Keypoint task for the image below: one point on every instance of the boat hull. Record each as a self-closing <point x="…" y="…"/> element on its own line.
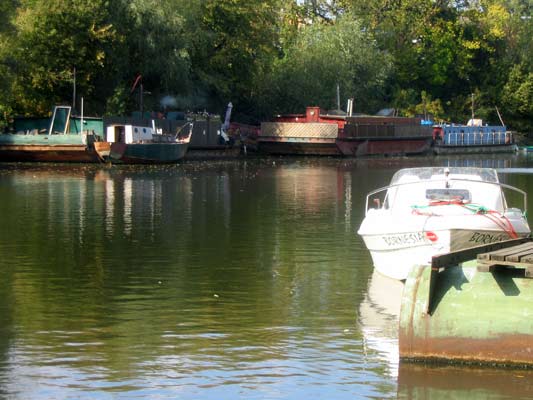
<point x="395" y="254"/>
<point x="383" y="146"/>
<point x="102" y="150"/>
<point x="397" y="242"/>
<point x="345" y="146"/>
<point x="47" y="148"/>
<point x="299" y="146"/>
<point x="299" y="138"/>
<point x="146" y="153"/>
<point x="212" y="153"/>
<point x="472" y="149"/>
<point x="434" y="210"/>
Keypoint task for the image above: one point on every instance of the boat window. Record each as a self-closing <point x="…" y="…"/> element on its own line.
<point x="60" y="120"/>
<point x="448" y="195"/>
<point x="427" y="173"/>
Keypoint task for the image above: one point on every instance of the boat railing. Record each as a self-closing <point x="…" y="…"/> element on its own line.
<point x="187" y="138"/>
<point x="461" y="136"/>
<point x="396" y="185"/>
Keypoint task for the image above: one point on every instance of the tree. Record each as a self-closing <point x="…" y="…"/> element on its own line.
<point x="427" y="107"/>
<point x="52" y="38"/>
<point x="517" y="99"/>
<point x="268" y="57"/>
<point x="323" y="56"/>
<point x="107" y="45"/>
<point x="233" y="42"/>
<point x="7" y="35"/>
<point x="155" y="46"/>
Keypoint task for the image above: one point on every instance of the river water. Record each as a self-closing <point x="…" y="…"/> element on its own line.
<point x="219" y="280"/>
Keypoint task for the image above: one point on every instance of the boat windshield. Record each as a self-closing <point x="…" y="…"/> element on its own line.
<point x="421" y="174"/>
<point x="416" y="187"/>
<point x="462" y="195"/>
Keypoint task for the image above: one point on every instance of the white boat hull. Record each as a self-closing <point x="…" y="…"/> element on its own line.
<point x="399" y="242"/>
<point x="397" y="261"/>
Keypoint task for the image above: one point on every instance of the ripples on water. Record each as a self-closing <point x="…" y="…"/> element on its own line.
<point x="233" y="280"/>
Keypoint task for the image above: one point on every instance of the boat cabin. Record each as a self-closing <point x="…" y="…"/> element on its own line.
<point x="421" y="187"/>
<point x="461" y="135"/>
<point x="119" y="133"/>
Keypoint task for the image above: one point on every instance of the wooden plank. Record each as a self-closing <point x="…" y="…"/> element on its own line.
<point x="501" y="255"/>
<point x="496" y="253"/>
<point x="486" y="250"/>
<point x="485" y="267"/>
<point x="504" y="264"/>
<point x="491" y="266"/>
<point x="527" y="259"/>
<point x="456" y="257"/>
<point x="521" y="257"/>
<point x="517" y="257"/>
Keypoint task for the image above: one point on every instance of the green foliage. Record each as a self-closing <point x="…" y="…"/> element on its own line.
<point x="427" y="107"/>
<point x="517" y="98"/>
<point x="116" y="103"/>
<point x="323" y="56"/>
<point x="154" y="36"/>
<point x="233" y="43"/>
<point x="270" y="57"/>
<point x="52" y="38"/>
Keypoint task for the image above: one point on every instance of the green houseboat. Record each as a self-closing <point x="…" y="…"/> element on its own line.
<point x="62" y="138"/>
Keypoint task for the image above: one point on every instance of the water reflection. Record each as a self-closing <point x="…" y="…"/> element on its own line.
<point x="164" y="281"/>
<point x="497" y="161"/>
<point x="230" y="280"/>
<point x="379" y="314"/>
<point x="109" y="196"/>
<point x="449" y="382"/>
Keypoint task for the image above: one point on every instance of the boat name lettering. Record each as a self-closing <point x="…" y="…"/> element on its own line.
<point x="406" y="238"/>
<point x="484" y="238"/>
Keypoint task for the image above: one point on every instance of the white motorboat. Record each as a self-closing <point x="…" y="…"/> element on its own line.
<point x="435" y="210"/>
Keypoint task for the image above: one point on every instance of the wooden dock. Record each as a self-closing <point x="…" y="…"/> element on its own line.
<point x="518" y="257"/>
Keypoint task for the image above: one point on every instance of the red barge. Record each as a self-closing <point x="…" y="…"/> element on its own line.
<point x="314" y="133"/>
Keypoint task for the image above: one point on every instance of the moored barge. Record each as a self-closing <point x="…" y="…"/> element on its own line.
<point x="316" y="133"/>
<point x="62" y="138"/>
<point x="472" y="138"/>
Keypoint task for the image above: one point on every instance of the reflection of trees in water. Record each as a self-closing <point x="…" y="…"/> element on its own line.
<point x="125" y="269"/>
<point x="127" y="263"/>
